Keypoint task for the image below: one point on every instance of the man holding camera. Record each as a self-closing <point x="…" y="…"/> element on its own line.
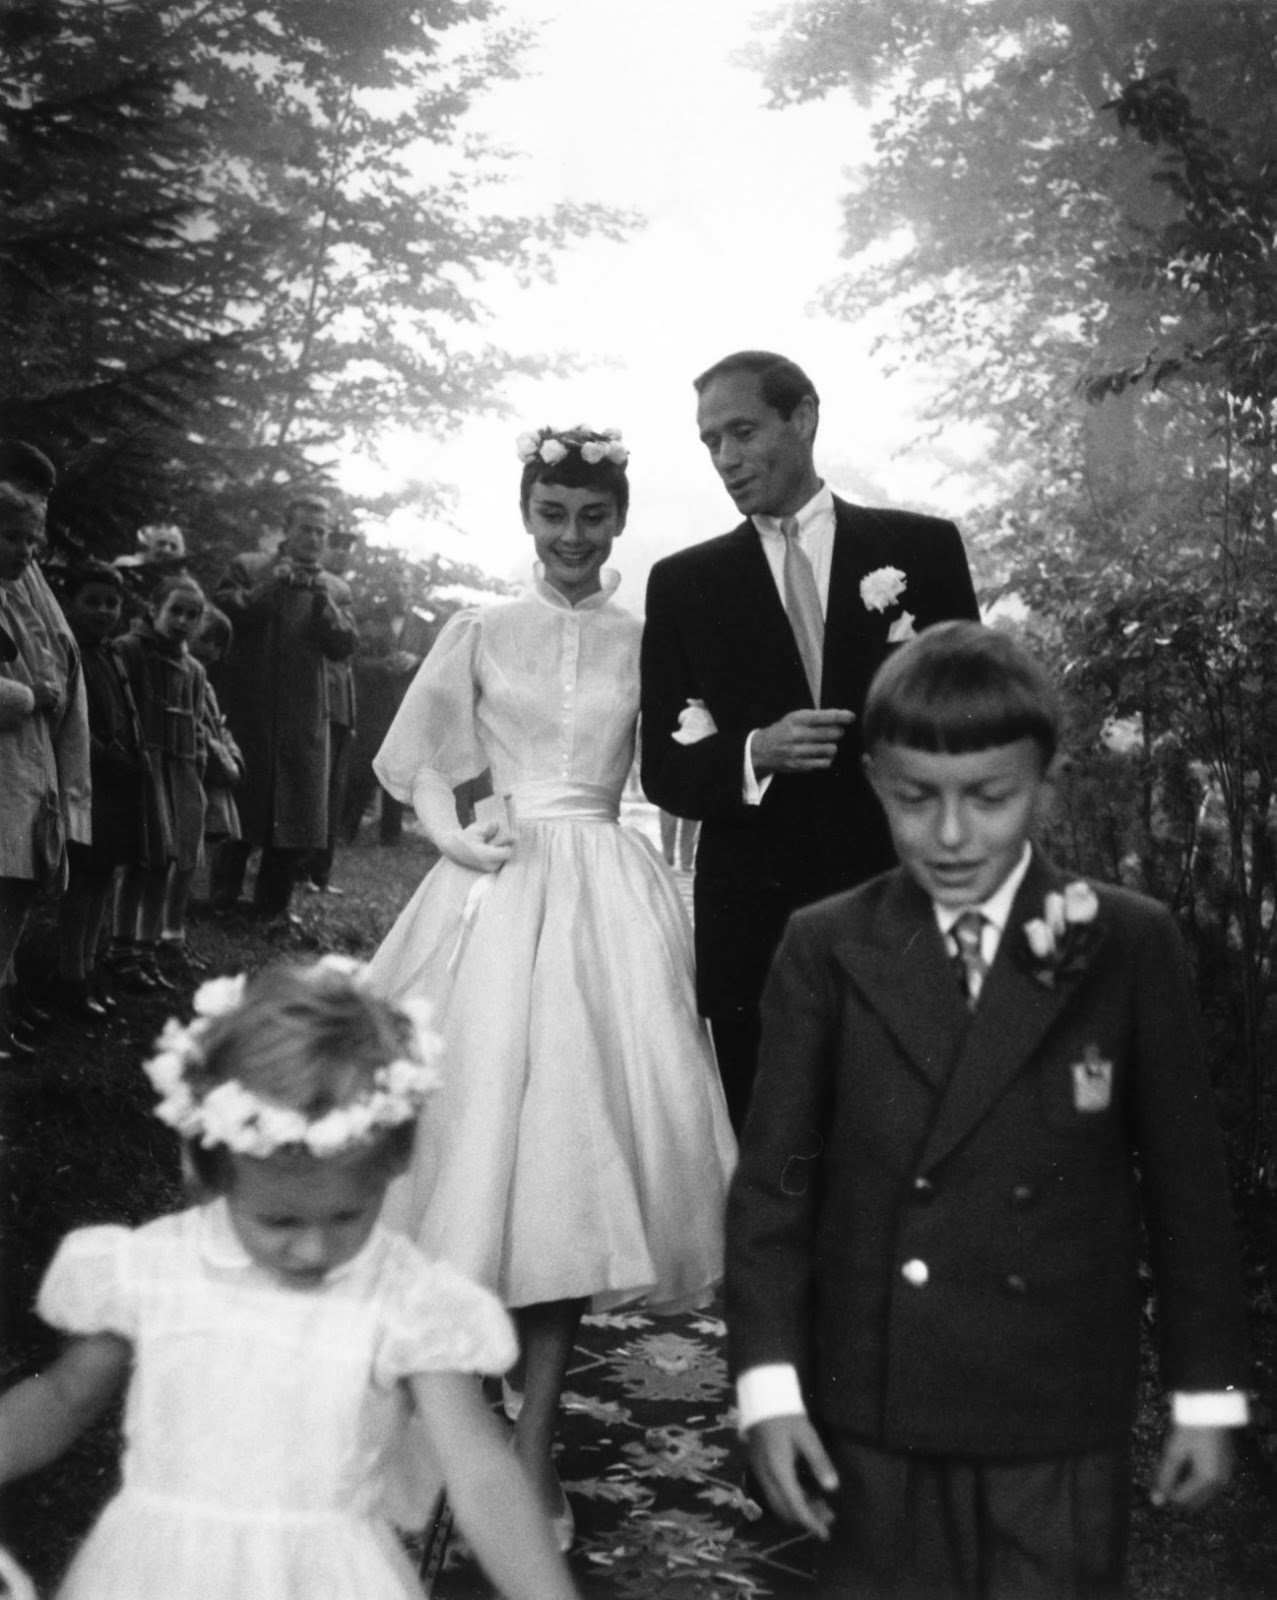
<point x="290" y="618"/>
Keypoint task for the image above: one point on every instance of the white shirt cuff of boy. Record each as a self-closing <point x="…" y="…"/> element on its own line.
<point x="773" y="1390"/>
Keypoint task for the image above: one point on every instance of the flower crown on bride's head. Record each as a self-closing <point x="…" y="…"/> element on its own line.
<point x="248" y="1124"/>
<point x="552" y="444"/>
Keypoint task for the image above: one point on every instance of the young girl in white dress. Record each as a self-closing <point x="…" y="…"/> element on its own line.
<point x="579" y="1149"/>
<point x="284" y="1347"/>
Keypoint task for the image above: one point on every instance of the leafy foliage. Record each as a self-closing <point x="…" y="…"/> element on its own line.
<point x="1071" y="218"/>
<point x="241" y="238"/>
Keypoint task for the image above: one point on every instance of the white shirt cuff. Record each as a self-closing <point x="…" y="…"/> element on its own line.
<point x="753" y="788"/>
<point x="1222" y="1408"/>
<point x="771" y="1390"/>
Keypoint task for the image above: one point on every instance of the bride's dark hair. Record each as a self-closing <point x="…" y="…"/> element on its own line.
<point x="573" y="471"/>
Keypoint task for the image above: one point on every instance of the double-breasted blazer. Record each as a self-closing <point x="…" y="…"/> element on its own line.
<point x="937" y="1216"/>
<point x="717" y="631"/>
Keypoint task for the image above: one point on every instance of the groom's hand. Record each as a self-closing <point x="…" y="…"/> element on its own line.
<point x="802" y="741"/>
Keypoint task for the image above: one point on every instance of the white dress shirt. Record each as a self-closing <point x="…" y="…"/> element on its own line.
<point x="772" y="1390"/>
<point x="816" y="540"/>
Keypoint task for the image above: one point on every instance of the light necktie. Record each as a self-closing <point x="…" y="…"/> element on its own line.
<point x="968" y="936"/>
<point x="802" y="603"/>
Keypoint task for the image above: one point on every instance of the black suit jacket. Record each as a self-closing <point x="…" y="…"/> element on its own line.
<point x="717" y="631"/>
<point x="929" y="1225"/>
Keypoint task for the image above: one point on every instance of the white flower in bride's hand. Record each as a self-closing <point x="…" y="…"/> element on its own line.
<point x="882" y="588"/>
<point x="553" y="451"/>
<point x="694" y="723"/>
<point x="902" y="629"/>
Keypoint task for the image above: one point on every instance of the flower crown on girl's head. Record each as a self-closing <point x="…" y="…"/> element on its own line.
<point x="552" y="444"/>
<point x="249" y="1124"/>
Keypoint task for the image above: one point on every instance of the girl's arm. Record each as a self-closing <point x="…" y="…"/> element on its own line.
<point x="488" y="1492"/>
<point x="44" y="1415"/>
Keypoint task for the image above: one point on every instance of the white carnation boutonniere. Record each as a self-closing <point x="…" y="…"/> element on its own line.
<point x="882" y="588"/>
<point x="694" y="723"/>
<point x="1059" y="942"/>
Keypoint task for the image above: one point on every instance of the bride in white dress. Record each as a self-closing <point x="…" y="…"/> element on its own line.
<point x="579" y="1152"/>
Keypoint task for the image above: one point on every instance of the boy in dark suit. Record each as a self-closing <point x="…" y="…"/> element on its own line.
<point x="975" y="1080"/>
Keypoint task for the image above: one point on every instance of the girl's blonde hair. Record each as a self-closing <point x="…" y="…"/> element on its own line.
<point x="308" y="1039"/>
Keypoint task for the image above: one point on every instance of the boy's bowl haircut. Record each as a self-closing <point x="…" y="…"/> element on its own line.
<point x="958" y="687"/>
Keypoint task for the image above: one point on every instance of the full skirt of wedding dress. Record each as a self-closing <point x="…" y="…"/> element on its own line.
<point x="579" y="1146"/>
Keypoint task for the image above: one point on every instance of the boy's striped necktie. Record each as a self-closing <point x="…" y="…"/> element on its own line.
<point x="968" y="937"/>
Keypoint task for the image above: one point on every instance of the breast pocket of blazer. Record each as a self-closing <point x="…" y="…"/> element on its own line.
<point x="1080" y="1090"/>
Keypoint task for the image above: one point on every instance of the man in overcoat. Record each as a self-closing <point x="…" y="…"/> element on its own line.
<point x="753" y="679"/>
<point x="290" y="618"/>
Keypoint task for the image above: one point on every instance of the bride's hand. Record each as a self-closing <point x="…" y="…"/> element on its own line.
<point x="477" y="847"/>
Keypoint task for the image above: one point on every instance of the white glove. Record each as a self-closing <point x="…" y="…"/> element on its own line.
<point x="479" y="847"/>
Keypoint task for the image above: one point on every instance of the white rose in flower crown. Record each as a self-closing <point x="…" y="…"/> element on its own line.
<point x="167" y="1072"/>
<point x="882" y="588"/>
<point x="526" y="445"/>
<point x="227" y="1111"/>
<point x="331" y="1132"/>
<point x="553" y="451"/>
<point x="593" y="451"/>
<point x="617" y="452"/>
<point x="219" y="995"/>
<point x="613" y="434"/>
<point x="694" y="723"/>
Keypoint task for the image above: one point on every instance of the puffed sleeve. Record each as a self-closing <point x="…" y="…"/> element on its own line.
<point x="89" y="1287"/>
<point x="437" y="1320"/>
<point x="436" y="725"/>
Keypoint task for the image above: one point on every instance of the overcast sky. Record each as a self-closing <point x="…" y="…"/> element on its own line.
<point x="637" y="104"/>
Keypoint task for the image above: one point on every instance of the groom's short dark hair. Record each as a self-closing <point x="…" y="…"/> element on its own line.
<point x="781" y="382"/>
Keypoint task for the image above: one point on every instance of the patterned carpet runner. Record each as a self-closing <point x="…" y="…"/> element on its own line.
<point x="653" y="1469"/>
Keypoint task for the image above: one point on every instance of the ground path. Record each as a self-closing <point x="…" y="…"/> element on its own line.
<point x="649" y="1453"/>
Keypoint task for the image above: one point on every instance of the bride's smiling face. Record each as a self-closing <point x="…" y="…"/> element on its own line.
<point x="573" y="530"/>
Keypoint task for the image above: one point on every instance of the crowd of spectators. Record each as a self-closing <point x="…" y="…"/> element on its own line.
<point x="150" y="732"/>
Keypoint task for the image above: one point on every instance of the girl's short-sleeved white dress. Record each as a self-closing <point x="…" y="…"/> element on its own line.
<point x="269" y="1446"/>
<point x="580" y="1145"/>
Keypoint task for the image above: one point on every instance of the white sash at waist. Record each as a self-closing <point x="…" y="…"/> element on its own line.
<point x="547" y="800"/>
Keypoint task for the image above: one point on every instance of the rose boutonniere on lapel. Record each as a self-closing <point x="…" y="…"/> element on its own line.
<point x="881" y="589"/>
<point x="1059" y="942"/>
<point x="694" y="723"/>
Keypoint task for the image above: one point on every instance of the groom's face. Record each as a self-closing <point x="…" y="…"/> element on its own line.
<point x="764" y="459"/>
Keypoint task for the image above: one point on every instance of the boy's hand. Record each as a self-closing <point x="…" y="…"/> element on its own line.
<point x="779" y="1448"/>
<point x="1196" y="1464"/>
<point x="802" y="741"/>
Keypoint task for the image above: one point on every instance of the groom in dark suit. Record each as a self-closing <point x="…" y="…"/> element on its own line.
<point x="757" y="654"/>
